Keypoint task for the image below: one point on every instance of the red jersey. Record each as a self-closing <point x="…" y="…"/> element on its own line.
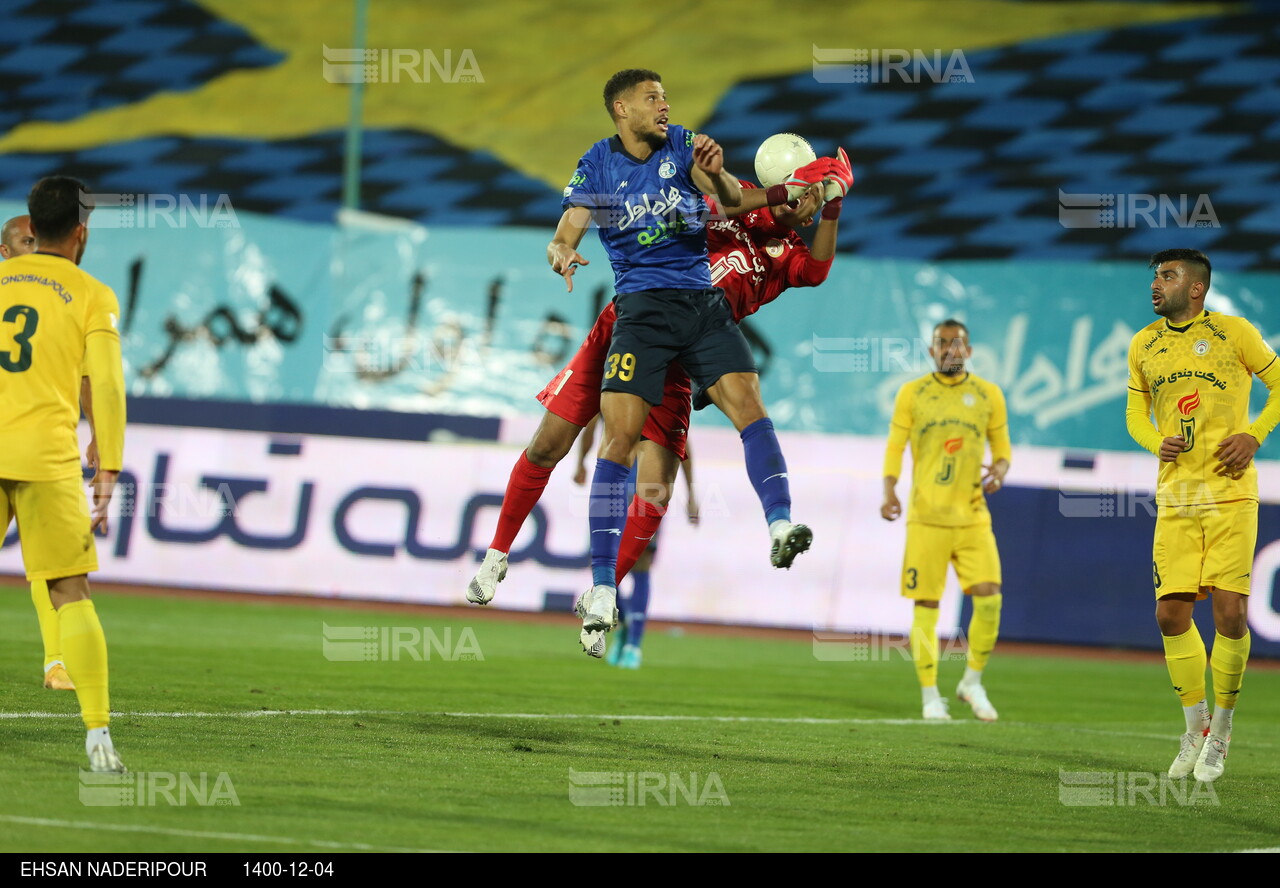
<point x="753" y="259"/>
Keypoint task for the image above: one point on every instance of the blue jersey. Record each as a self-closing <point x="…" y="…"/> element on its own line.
<point x="651" y="217"/>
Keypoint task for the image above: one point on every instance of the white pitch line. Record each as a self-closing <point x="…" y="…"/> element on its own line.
<point x="573" y="716"/>
<point x="1259" y="851"/>
<point x="577" y="716"/>
<point x="198" y="834"/>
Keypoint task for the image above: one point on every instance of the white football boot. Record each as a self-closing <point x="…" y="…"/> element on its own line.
<point x="1213" y="757"/>
<point x="1191" y="743"/>
<point x="493" y="570"/>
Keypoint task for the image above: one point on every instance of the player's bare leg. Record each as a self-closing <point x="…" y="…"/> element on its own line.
<point x="84" y="649"/>
<point x="1226" y="664"/>
<point x="738" y="397"/>
<point x="551" y="442"/>
<point x="924" y="656"/>
<point x="1185" y="655"/>
<point x="622" y="415"/>
<point x="984" y="627"/>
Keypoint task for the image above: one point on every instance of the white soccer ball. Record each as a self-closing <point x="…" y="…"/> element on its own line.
<point x="780" y="156"/>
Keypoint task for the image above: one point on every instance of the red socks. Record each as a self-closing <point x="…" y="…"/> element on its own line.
<point x="643" y="518"/>
<point x="524" y="489"/>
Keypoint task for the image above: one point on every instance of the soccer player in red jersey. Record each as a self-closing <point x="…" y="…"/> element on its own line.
<point x="754" y="256"/>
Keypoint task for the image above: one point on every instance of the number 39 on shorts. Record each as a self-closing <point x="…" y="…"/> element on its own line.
<point x="622" y="366"/>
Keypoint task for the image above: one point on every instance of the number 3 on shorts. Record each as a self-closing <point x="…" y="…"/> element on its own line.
<point x="627" y="363"/>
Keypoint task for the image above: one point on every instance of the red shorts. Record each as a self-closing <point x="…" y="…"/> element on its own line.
<point x="574" y="393"/>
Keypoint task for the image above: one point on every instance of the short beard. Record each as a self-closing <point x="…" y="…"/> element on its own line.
<point x="656" y="139"/>
<point x="1170" y="307"/>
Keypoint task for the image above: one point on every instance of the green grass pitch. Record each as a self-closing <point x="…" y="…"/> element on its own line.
<point x="429" y="754"/>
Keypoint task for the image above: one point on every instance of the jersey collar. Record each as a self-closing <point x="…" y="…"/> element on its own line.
<point x="616" y="146"/>
<point x="943" y="379"/>
<point x="1204" y="313"/>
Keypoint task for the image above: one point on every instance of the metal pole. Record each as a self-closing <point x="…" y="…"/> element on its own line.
<point x="355" y="127"/>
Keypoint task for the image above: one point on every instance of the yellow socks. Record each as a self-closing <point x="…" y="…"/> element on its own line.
<point x="924" y="645"/>
<point x="1186" y="658"/>
<point x="48" y="616"/>
<point x="984" y="628"/>
<point x="84" y="650"/>
<point x="1227" y="663"/>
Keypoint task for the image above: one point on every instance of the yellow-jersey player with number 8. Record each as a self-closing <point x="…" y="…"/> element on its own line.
<point x="1195" y="369"/>
<point x="949" y="416"/>
<point x="56" y="319"/>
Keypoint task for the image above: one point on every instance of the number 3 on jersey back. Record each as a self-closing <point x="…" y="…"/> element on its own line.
<point x="28" y="318"/>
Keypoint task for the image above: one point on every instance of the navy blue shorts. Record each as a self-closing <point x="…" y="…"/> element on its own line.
<point x="656" y="327"/>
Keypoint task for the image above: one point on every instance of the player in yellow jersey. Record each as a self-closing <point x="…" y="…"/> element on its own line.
<point x="54" y="320"/>
<point x="949" y="416"/>
<point x="17" y="239"/>
<point x="1195" y="368"/>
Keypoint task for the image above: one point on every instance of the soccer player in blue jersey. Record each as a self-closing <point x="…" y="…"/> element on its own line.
<point x="644" y="188"/>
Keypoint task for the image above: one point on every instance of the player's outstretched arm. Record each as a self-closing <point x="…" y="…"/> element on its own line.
<point x="562" y="252"/>
<point x="709" y="174"/>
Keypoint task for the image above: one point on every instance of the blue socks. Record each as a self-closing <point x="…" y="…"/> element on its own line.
<point x="607" y="515"/>
<point x="767" y="470"/>
<point x="637" y="608"/>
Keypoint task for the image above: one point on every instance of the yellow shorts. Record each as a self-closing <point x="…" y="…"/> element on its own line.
<point x="931" y="547"/>
<point x="53" y="527"/>
<point x="1199" y="546"/>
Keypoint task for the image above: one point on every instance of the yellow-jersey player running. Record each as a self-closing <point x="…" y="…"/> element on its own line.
<point x="54" y="320"/>
<point x="17" y="239"/>
<point x="949" y="416"/>
<point x="1195" y="368"/>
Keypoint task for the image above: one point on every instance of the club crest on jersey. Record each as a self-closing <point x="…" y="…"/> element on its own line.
<point x="667" y="169"/>
<point x="1201" y="347"/>
<point x="775" y="248"/>
<point x="969" y="400"/>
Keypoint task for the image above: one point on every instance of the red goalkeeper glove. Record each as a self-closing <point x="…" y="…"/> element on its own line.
<point x="840" y="178"/>
<point x="810" y="174"/>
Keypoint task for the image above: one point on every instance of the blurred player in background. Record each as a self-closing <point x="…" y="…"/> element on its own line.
<point x="949" y="416"/>
<point x="54" y="320"/>
<point x="17" y="239"/>
<point x="644" y="187"/>
<point x="1195" y="368"/>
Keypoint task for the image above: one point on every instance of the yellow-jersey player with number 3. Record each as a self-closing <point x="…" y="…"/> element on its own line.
<point x="55" y="320"/>
<point x="1195" y="369"/>
<point x="949" y="417"/>
<point x="17" y="239"/>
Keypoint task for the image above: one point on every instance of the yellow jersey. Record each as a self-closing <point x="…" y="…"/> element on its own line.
<point x="949" y="423"/>
<point x="48" y="309"/>
<point x="1198" y="376"/>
